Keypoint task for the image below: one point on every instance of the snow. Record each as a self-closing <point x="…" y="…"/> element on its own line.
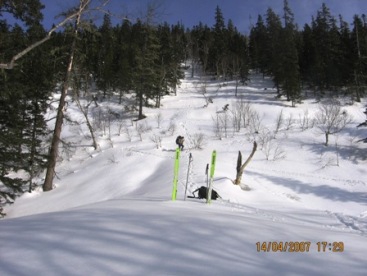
<point x="111" y="211"/>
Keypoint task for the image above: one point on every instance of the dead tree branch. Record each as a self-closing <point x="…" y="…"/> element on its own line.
<point x="241" y="167"/>
<point x="11" y="64"/>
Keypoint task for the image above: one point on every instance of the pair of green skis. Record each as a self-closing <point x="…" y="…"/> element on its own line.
<point x="176" y="171"/>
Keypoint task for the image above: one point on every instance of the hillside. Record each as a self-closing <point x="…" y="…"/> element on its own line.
<point x="111" y="211"/>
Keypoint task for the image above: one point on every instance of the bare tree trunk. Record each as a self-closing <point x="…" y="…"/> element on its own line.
<point x="326" y="139"/>
<point x="241" y="167"/>
<point x="33" y="147"/>
<point x="141" y="115"/>
<point x="89" y="125"/>
<point x="47" y="185"/>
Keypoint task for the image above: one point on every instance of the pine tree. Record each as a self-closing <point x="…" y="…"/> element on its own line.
<point x="123" y="58"/>
<point x="359" y="54"/>
<point x="105" y="75"/>
<point x="23" y="101"/>
<point x="346" y="55"/>
<point x="290" y="65"/>
<point x="179" y="44"/>
<point x="10" y="155"/>
<point x="327" y="50"/>
<point x="274" y="48"/>
<point x="28" y="11"/>
<point x="170" y="57"/>
<point x="307" y="56"/>
<point x="87" y="61"/>
<point x="218" y="50"/>
<point x="202" y="39"/>
<point x="146" y="60"/>
<point x="258" y="46"/>
<point x="37" y="90"/>
<point x="238" y="57"/>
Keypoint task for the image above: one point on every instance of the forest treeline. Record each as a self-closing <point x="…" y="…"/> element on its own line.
<point x="327" y="57"/>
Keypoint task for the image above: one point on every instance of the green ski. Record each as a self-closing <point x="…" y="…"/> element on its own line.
<point x="212" y="169"/>
<point x="175" y="173"/>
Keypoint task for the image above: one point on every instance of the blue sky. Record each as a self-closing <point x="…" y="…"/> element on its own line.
<point x="242" y="12"/>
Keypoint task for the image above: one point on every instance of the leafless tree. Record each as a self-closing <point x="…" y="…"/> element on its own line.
<point x="221" y="124"/>
<point x="157" y="140"/>
<point x="254" y="121"/>
<point x="273" y="151"/>
<point x="305" y="121"/>
<point x="84" y="111"/>
<point x="246" y="111"/>
<point x="198" y="140"/>
<point x="331" y="119"/>
<point x="279" y="122"/>
<point x="289" y="122"/>
<point x="172" y="127"/>
<point x="159" y="118"/>
<point x="142" y="128"/>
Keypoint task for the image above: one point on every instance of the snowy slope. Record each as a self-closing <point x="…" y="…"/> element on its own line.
<point x="111" y="212"/>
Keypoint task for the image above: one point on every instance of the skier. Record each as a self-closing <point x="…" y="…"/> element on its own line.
<point x="179" y="141"/>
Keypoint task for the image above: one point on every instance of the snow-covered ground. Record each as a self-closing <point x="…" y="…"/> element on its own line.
<point x="111" y="212"/>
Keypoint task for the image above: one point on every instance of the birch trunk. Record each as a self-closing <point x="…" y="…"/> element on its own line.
<point x="50" y="173"/>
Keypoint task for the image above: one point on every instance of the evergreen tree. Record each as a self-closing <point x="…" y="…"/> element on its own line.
<point x="326" y="60"/>
<point x="307" y="56"/>
<point x="346" y="55"/>
<point x="87" y="58"/>
<point x="218" y="50"/>
<point x="273" y="51"/>
<point x="146" y="59"/>
<point x="37" y="89"/>
<point x="258" y="46"/>
<point x="170" y="56"/>
<point x="123" y="58"/>
<point x="202" y="40"/>
<point x="359" y="60"/>
<point x="166" y="63"/>
<point x="238" y="56"/>
<point x="104" y="74"/>
<point x="180" y="50"/>
<point x="290" y="65"/>
<point x="23" y="103"/>
<point x="28" y="11"/>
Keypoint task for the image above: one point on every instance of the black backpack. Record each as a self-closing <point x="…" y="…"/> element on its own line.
<point x="203" y="191"/>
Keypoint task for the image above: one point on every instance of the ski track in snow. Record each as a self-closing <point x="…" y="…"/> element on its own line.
<point x="351" y="223"/>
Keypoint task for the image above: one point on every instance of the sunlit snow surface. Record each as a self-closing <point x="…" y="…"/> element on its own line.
<point x="111" y="211"/>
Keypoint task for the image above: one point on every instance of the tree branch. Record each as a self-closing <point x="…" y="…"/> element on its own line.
<point x="10" y="65"/>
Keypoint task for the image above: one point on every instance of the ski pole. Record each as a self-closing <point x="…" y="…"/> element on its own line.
<point x="207" y="176"/>
<point x="188" y="171"/>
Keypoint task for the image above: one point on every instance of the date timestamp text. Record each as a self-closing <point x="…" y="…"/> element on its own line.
<point x="299" y="246"/>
